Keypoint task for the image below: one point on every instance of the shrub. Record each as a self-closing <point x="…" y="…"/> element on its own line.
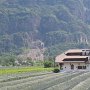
<point x="47" y="64"/>
<point x="56" y="70"/>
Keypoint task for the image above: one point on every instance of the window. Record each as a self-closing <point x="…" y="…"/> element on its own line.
<point x="84" y="67"/>
<point x="81" y="67"/>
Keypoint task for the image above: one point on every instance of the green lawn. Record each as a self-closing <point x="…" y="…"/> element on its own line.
<point x="23" y="69"/>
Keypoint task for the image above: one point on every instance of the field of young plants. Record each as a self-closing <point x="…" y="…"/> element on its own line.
<point x="14" y="70"/>
<point x="45" y="81"/>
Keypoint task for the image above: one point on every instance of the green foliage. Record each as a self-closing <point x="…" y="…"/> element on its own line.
<point x="38" y="63"/>
<point x="56" y="70"/>
<point x="48" y="64"/>
<point x="7" y="60"/>
<point x="29" y="61"/>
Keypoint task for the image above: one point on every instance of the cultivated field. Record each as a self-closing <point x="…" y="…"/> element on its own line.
<point x="45" y="81"/>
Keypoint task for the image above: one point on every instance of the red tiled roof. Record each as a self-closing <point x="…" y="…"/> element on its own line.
<point x="75" y="50"/>
<point x="61" y="57"/>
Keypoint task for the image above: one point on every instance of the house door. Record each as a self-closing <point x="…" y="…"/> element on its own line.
<point x="72" y="67"/>
<point x="61" y="66"/>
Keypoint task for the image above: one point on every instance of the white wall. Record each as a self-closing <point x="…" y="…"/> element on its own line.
<point x="68" y="66"/>
<point x="88" y="67"/>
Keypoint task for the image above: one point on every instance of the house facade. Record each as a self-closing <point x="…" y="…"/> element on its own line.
<point x="74" y="59"/>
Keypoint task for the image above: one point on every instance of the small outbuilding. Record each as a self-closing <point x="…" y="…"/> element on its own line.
<point x="74" y="59"/>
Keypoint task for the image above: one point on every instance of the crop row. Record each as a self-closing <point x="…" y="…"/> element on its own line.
<point x="41" y="84"/>
<point x="83" y="85"/>
<point x="15" y="82"/>
<point x="24" y="83"/>
<point x="50" y="83"/>
<point x="11" y="77"/>
<point x="70" y="83"/>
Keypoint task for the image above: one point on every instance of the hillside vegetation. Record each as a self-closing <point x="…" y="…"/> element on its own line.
<point x="59" y="24"/>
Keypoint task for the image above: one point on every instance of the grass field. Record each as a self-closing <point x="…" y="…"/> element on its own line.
<point x="23" y="69"/>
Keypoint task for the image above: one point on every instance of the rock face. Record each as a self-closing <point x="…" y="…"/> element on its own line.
<point x="53" y="22"/>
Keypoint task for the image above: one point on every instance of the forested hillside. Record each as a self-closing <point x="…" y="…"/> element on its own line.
<point x="59" y="24"/>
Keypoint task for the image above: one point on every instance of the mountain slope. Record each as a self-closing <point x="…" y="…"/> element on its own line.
<point x="59" y="24"/>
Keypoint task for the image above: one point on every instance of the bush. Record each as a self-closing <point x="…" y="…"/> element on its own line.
<point x="56" y="70"/>
<point x="47" y="64"/>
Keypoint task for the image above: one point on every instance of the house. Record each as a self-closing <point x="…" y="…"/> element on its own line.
<point x="74" y="59"/>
